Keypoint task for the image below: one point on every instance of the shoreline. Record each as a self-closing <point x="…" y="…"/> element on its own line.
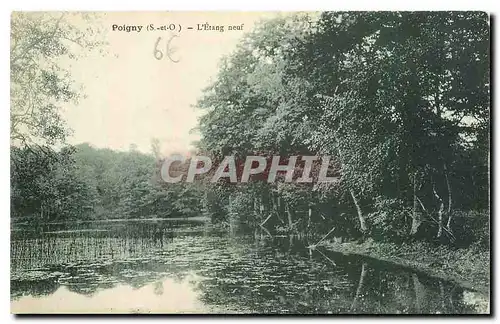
<point x="445" y="263"/>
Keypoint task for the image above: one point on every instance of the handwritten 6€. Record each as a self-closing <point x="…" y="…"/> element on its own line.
<point x="170" y="49"/>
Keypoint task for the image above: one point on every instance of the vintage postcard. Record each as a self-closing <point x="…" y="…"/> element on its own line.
<point x="250" y="162"/>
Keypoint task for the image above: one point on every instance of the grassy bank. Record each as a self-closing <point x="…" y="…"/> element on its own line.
<point x="468" y="267"/>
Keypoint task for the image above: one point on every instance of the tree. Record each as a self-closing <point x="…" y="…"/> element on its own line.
<point x="39" y="83"/>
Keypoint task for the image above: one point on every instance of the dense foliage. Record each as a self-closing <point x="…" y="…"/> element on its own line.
<point x="39" y="84"/>
<point x="400" y="99"/>
<point x="84" y="183"/>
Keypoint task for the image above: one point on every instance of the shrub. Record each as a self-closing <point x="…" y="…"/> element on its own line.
<point x="389" y="221"/>
<point x="241" y="209"/>
<point x="472" y="228"/>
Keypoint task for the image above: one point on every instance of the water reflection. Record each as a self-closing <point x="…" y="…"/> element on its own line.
<point x="167" y="295"/>
<point x="164" y="268"/>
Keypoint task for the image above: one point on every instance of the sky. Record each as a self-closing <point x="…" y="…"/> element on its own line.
<point x="132" y="97"/>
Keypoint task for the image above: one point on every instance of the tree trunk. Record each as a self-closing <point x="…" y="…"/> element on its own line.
<point x="265" y="221"/>
<point x="274" y="206"/>
<point x="448" y="186"/>
<point x="361" y="284"/>
<point x="262" y="207"/>
<point x="440" y="212"/>
<point x="272" y="203"/>
<point x="309" y="214"/>
<point x="256" y="209"/>
<point x="362" y="221"/>
<point x="280" y="205"/>
<point x="416" y="219"/>
<point x="290" y="216"/>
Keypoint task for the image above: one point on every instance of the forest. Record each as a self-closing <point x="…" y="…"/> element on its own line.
<point x="85" y="183"/>
<point x="399" y="100"/>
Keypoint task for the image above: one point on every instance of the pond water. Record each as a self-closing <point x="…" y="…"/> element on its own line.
<point x="183" y="267"/>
